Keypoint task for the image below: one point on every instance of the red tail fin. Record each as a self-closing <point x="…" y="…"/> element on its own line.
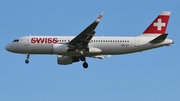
<point x="158" y="26"/>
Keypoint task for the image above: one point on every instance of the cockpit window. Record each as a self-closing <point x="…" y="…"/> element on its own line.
<point x="16" y="40"/>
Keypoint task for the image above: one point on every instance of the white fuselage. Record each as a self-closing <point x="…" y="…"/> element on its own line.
<point x="98" y="45"/>
<point x="70" y="49"/>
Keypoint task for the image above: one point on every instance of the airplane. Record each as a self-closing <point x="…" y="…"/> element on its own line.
<point x="70" y="49"/>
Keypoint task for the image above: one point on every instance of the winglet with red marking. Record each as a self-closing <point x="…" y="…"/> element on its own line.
<point x="99" y="17"/>
<point x="159" y="25"/>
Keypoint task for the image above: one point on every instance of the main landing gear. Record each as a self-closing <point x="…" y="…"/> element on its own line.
<point x="83" y="58"/>
<point x="85" y="65"/>
<point x="27" y="58"/>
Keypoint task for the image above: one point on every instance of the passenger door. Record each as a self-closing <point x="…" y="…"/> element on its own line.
<point x="26" y="41"/>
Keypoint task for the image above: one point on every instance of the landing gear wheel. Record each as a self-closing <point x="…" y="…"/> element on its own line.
<point x="26" y="61"/>
<point x="27" y="58"/>
<point x="85" y="65"/>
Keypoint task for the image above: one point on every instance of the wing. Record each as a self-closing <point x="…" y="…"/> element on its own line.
<point x="82" y="40"/>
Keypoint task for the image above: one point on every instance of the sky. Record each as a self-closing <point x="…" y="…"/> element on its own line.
<point x="152" y="75"/>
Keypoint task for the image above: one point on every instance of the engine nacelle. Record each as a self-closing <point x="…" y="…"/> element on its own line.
<point x="65" y="60"/>
<point x="60" y="48"/>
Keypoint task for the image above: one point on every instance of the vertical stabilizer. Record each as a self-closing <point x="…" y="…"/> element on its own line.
<point x="159" y="25"/>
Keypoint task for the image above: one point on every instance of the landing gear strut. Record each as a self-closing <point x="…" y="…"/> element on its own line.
<point x="27" y="58"/>
<point x="83" y="58"/>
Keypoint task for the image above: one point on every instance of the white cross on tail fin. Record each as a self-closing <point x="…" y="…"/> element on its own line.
<point x="159" y="25"/>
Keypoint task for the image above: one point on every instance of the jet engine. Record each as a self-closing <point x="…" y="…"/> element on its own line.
<point x="65" y="60"/>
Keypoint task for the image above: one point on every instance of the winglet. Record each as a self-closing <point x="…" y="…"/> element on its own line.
<point x="159" y="25"/>
<point x="99" y="17"/>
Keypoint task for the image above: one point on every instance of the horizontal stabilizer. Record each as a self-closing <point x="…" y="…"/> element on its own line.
<point x="159" y="39"/>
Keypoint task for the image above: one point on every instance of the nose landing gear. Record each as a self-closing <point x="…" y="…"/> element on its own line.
<point x="26" y="61"/>
<point x="27" y="58"/>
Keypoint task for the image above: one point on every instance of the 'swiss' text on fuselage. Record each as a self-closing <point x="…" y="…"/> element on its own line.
<point x="44" y="40"/>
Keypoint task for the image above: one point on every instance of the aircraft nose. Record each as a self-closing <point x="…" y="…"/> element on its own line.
<point x="12" y="48"/>
<point x="8" y="47"/>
